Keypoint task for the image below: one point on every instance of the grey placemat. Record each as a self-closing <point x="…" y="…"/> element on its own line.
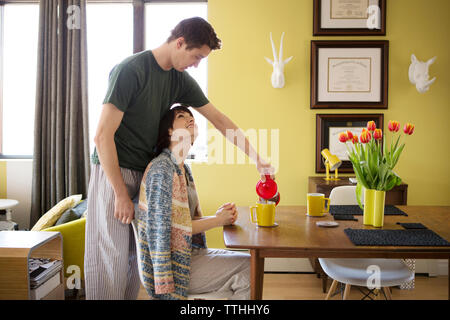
<point x="409" y="237"/>
<point x="349" y="217"/>
<point x="412" y="225"/>
<point x="389" y="210"/>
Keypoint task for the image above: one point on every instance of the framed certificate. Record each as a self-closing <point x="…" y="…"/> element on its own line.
<point x="328" y="127"/>
<point x="349" y="74"/>
<point x="349" y="17"/>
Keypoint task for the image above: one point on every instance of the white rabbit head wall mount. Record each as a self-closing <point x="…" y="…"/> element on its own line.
<point x="278" y="64"/>
<point x="418" y="74"/>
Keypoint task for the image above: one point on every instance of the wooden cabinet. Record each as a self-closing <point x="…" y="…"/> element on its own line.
<point x="16" y="247"/>
<point x="397" y="195"/>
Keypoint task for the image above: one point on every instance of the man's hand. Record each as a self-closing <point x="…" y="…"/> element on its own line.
<point x="265" y="168"/>
<point x="123" y="209"/>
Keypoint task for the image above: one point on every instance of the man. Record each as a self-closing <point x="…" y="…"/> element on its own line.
<point x="141" y="89"/>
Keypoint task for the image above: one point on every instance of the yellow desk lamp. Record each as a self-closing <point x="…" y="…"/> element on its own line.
<point x="332" y="162"/>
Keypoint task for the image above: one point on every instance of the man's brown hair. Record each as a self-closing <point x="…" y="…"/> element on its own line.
<point x="196" y="33"/>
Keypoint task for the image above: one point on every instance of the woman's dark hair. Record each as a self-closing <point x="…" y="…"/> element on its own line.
<point x="166" y="124"/>
<point x="196" y="33"/>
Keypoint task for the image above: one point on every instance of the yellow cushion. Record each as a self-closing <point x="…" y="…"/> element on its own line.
<point x="73" y="234"/>
<point x="51" y="216"/>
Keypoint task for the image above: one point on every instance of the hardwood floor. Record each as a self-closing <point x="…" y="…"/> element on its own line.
<point x="279" y="286"/>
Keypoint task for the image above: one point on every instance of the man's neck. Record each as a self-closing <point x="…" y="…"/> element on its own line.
<point x="162" y="56"/>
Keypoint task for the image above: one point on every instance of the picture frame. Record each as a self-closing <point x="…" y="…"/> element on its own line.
<point x="345" y="18"/>
<point x="328" y="127"/>
<point x="349" y="74"/>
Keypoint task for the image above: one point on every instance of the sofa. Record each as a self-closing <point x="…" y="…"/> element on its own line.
<point x="69" y="218"/>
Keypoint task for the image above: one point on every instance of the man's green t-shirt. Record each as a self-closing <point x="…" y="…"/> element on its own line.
<point x="140" y="88"/>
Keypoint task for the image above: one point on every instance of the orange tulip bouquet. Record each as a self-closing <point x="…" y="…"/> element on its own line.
<point x="374" y="164"/>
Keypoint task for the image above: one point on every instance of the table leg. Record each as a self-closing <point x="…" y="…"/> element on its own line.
<point x="256" y="275"/>
<point x="8" y="214"/>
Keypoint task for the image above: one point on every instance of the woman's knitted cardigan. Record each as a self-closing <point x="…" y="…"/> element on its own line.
<point x="165" y="228"/>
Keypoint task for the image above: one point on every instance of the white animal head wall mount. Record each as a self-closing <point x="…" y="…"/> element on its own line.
<point x="418" y="74"/>
<point x="278" y="64"/>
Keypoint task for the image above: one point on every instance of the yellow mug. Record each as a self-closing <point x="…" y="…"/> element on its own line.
<point x="265" y="214"/>
<point x="316" y="204"/>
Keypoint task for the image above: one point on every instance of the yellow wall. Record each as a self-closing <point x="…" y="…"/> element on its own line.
<point x="239" y="85"/>
<point x="2" y="179"/>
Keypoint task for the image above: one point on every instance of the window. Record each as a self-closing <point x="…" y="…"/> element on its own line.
<point x="110" y="28"/>
<point x="160" y="19"/>
<point x="109" y="41"/>
<point x="18" y="55"/>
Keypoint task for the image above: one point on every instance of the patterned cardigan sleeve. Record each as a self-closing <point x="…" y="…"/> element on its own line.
<point x="159" y="226"/>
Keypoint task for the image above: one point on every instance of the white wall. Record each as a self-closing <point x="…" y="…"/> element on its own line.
<point x="18" y="187"/>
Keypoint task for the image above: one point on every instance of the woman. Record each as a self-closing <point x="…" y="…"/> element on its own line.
<point x="173" y="251"/>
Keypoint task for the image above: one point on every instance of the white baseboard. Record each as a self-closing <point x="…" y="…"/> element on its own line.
<point x="287" y="265"/>
<point x="442" y="267"/>
<point x="432" y="267"/>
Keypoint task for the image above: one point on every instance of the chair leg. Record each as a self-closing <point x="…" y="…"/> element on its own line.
<point x="377" y="294"/>
<point x="332" y="289"/>
<point x="347" y="291"/>
<point x="324" y="282"/>
<point x="387" y="292"/>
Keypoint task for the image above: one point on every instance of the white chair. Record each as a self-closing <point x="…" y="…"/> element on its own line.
<point x="222" y="295"/>
<point x="344" y="195"/>
<point x="392" y="272"/>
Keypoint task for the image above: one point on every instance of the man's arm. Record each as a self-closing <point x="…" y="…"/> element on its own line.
<point x="110" y="119"/>
<point x="223" y="123"/>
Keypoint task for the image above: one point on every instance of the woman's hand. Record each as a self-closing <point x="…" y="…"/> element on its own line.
<point x="226" y="214"/>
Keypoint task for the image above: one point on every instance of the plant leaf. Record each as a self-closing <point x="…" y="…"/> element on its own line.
<point x="359" y="194"/>
<point x="396" y="156"/>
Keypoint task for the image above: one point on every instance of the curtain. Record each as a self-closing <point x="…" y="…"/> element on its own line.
<point x="61" y="134"/>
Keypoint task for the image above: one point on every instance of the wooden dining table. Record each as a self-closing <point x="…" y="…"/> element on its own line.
<point x="298" y="236"/>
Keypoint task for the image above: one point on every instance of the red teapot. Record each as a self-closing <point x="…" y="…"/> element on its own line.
<point x="268" y="190"/>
